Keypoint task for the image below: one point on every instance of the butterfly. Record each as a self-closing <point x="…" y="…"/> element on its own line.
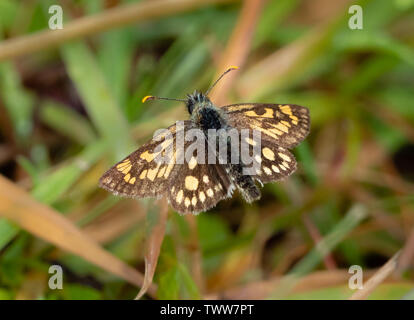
<point x="197" y="184"/>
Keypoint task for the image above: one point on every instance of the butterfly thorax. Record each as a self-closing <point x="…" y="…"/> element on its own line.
<point x="204" y="114"/>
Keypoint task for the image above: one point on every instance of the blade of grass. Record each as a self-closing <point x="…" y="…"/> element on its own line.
<point x="7" y="232"/>
<point x="354" y="216"/>
<point x="117" y="46"/>
<point x="377" y="278"/>
<point x="17" y="101"/>
<point x="43" y="222"/>
<point x="108" y="19"/>
<point x="156" y="230"/>
<point x="67" y="122"/>
<point x="280" y="68"/>
<point x="238" y="46"/>
<point x="57" y="183"/>
<point x="95" y="93"/>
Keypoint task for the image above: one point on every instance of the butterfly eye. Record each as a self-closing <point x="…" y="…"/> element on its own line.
<point x="190" y="105"/>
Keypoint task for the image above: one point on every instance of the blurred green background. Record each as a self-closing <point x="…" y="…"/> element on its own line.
<point x="70" y="103"/>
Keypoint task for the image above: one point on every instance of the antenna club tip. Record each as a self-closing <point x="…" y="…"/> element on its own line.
<point x="147" y="98"/>
<point x="233" y="67"/>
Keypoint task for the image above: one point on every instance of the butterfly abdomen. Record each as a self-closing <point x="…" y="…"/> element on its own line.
<point x="244" y="183"/>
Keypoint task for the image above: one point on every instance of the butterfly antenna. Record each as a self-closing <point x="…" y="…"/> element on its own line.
<point x="222" y="75"/>
<point x="146" y="98"/>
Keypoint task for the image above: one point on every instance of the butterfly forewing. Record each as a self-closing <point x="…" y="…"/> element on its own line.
<point x="140" y="174"/>
<point x="198" y="185"/>
<point x="284" y="124"/>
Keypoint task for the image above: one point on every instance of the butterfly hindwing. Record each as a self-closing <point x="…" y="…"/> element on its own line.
<point x="274" y="163"/>
<point x="140" y="175"/>
<point x="198" y="185"/>
<point x="285" y="124"/>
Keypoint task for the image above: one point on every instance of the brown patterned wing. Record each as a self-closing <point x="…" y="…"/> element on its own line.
<point x="197" y="185"/>
<point x="141" y="174"/>
<point x="285" y="124"/>
<point x="274" y="163"/>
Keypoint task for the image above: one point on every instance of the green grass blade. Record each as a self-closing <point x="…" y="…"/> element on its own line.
<point x="7" y="232"/>
<point x="67" y="122"/>
<point x="354" y="216"/>
<point x="96" y="95"/>
<point x="61" y="180"/>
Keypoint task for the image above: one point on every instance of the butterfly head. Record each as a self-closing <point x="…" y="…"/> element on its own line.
<point x="195" y="100"/>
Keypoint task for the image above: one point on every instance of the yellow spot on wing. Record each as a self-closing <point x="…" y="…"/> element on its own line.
<point x="240" y="107"/>
<point x="127" y="177"/>
<point x="147" y="156"/>
<point x="192" y="163"/>
<point x="152" y="173"/>
<point x="170" y="165"/>
<point x="268" y="113"/>
<point x="286" y="109"/>
<point x="281" y="127"/>
<point x="161" y="172"/>
<point x="179" y="197"/>
<point x="127" y="169"/>
<point x="132" y="181"/>
<point x="251" y="113"/>
<point x="267" y="170"/>
<point x="250" y="141"/>
<point x="265" y="131"/>
<point x="287" y="124"/>
<point x="202" y="196"/>
<point x="274" y="130"/>
<point x="187" y="202"/>
<point x="143" y="174"/>
<point x="191" y="183"/>
<point x="168" y="170"/>
<point x="284" y="157"/>
<point x="123" y="164"/>
<point x="269" y="154"/>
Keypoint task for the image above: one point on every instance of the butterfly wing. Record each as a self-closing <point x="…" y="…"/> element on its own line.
<point x="275" y="163"/>
<point x="140" y="174"/>
<point x="198" y="185"/>
<point x="284" y="124"/>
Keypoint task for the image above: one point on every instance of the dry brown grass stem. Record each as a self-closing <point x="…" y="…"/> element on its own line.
<point x="109" y="19"/>
<point x="153" y="247"/>
<point x="42" y="221"/>
<point x="383" y="273"/>
<point x="237" y="47"/>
